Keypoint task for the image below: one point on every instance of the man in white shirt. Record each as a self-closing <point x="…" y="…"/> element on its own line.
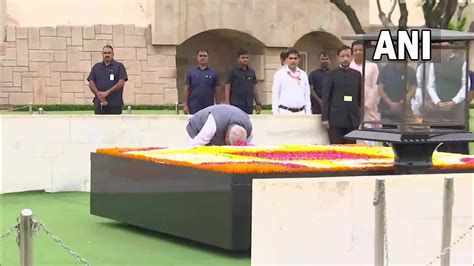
<point x="221" y="124"/>
<point x="417" y="101"/>
<point x="290" y="91"/>
<point x="447" y="89"/>
<point x="433" y="90"/>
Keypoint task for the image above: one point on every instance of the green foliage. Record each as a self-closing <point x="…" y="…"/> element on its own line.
<point x="454" y="24"/>
<point x="458" y="26"/>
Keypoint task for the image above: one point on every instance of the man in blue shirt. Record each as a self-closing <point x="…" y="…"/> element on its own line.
<point x="106" y="81"/>
<point x="201" y="85"/>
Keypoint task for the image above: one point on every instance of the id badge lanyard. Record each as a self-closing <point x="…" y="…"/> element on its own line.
<point x="111" y="75"/>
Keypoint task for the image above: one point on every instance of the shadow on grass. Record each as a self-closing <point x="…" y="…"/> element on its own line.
<point x="240" y="254"/>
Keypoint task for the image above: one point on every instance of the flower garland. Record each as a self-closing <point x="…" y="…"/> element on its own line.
<point x="298" y="78"/>
<point x="308" y="155"/>
<point x="282" y="159"/>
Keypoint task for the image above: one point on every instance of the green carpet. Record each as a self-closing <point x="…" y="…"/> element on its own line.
<point x="100" y="241"/>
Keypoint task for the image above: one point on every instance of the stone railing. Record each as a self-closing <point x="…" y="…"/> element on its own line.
<point x="52" y="152"/>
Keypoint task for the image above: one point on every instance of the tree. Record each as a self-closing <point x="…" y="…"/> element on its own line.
<point x="350" y="14"/>
<point x="460" y="23"/>
<point x="387" y="19"/>
<point x="437" y="14"/>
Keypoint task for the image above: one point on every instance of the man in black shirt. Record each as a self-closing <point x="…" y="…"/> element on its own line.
<point x="106" y="81"/>
<point x="342" y="99"/>
<point x="316" y="82"/>
<point x="241" y="85"/>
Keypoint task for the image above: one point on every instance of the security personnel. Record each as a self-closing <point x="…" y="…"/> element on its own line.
<point x="241" y="85"/>
<point x="106" y="81"/>
<point x="201" y="85"/>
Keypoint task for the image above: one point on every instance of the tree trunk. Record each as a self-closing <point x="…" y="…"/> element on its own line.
<point x="436" y="15"/>
<point x="402" y="22"/>
<point x="386" y="21"/>
<point x="460" y="11"/>
<point x="449" y="11"/>
<point x="350" y="14"/>
<point x="392" y="8"/>
<point x="428" y="10"/>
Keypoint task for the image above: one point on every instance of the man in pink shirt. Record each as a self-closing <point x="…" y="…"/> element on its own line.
<point x="371" y="95"/>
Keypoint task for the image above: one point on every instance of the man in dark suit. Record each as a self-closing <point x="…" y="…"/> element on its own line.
<point x="342" y="99"/>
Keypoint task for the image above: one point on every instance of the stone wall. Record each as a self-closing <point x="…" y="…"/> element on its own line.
<point x="223" y="46"/>
<point x="3" y="19"/>
<point x="274" y="23"/>
<point x="333" y="220"/>
<point x="53" y="13"/>
<point x="56" y="148"/>
<point x="271" y="66"/>
<point x="50" y="65"/>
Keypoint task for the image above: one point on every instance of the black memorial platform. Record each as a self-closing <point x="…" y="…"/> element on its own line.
<point x="205" y="206"/>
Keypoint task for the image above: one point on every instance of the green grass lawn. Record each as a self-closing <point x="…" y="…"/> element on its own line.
<point x="100" y="241"/>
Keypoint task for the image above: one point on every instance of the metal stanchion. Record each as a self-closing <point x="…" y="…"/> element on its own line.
<point x="447" y="219"/>
<point x="380" y="229"/>
<point x="176" y="108"/>
<point x="129" y="110"/>
<point x="26" y="238"/>
<point x="30" y="108"/>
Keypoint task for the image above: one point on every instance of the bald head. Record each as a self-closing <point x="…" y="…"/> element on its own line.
<point x="234" y="134"/>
